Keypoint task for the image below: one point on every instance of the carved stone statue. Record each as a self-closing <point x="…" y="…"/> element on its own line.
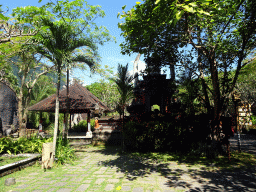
<point x="8" y="110"/>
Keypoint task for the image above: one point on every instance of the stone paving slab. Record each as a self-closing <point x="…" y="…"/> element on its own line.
<point x="83" y="187"/>
<point x="109" y="187"/>
<point x="107" y="176"/>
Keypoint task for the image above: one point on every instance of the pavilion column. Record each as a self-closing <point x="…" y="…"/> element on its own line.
<point x="69" y="121"/>
<point x="89" y="132"/>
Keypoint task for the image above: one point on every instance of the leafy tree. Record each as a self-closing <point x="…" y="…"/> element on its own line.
<point x="10" y="29"/>
<point x="106" y="92"/>
<point x="125" y="89"/>
<point x="62" y="33"/>
<point x="106" y="89"/>
<point x="189" y="92"/>
<point x="246" y="83"/>
<point x="221" y="33"/>
<point x="148" y="31"/>
<point x="21" y="71"/>
<point x="43" y="88"/>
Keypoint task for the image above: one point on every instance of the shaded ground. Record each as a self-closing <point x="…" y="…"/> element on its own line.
<point x="248" y="143"/>
<point x="175" y="176"/>
<point x="104" y="169"/>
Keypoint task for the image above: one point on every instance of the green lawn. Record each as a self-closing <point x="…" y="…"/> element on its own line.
<point x="238" y="160"/>
<point x="4" y="160"/>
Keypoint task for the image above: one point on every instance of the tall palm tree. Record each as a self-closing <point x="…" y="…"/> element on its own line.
<point x="58" y="43"/>
<point x="125" y="88"/>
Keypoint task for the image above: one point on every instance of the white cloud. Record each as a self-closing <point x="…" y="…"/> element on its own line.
<point x="114" y="59"/>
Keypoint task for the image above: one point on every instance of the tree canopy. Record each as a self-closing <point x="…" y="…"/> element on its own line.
<point x="217" y="34"/>
<point x="64" y="27"/>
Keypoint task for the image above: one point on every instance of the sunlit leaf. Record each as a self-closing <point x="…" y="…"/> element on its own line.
<point x="3" y="17"/>
<point x="189" y="9"/>
<point x="157" y="1"/>
<point x="123" y="7"/>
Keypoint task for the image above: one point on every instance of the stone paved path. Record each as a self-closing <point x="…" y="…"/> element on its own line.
<point x="248" y="143"/>
<point x="104" y="170"/>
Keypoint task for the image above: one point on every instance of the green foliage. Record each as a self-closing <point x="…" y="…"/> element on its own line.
<point x="22" y="145"/>
<point x="154" y="136"/>
<point x="71" y="18"/>
<point x="253" y="117"/>
<point x="209" y="27"/>
<point x="82" y="126"/>
<point x="64" y="153"/>
<point x="124" y="86"/>
<point x="106" y="92"/>
<point x="155" y="107"/>
<point x="189" y="96"/>
<point x="148" y="18"/>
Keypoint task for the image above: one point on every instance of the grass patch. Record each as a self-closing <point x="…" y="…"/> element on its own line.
<point x="238" y="160"/>
<point x="5" y="160"/>
<point x="58" y="170"/>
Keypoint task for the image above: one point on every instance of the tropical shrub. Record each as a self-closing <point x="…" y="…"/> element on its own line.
<point x="64" y="153"/>
<point x="154" y="136"/>
<point x="253" y="117"/>
<point x="22" y="145"/>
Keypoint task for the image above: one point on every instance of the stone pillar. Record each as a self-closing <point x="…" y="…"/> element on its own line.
<point x="89" y="132"/>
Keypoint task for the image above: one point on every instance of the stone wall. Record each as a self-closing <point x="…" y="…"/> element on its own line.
<point x="112" y="138"/>
<point x="8" y="108"/>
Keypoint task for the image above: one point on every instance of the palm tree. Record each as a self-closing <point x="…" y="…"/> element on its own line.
<point x="58" y="44"/>
<point x="125" y="88"/>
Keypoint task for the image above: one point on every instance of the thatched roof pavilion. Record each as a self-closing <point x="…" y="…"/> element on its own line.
<point x="81" y="101"/>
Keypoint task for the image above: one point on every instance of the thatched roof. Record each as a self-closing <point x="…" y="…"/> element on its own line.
<point x="81" y="100"/>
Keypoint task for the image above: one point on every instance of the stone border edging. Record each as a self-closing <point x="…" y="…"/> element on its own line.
<point x="10" y="168"/>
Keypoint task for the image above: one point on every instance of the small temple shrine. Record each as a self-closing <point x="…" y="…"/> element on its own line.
<point x="153" y="89"/>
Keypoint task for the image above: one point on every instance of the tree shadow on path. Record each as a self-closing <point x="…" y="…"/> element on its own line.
<point x="180" y="175"/>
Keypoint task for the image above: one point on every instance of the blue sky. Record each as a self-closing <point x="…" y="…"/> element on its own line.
<point x="110" y="52"/>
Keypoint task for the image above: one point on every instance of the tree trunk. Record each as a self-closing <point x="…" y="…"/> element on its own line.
<point x="216" y="117"/>
<point x="199" y="60"/>
<point x="56" y="125"/>
<point x="22" y="127"/>
<point x="123" y="146"/>
<point x="65" y="128"/>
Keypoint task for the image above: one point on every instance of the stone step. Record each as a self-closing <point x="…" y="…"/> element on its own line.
<point x="107" y="127"/>
<point x="108" y="123"/>
<point x="103" y="124"/>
